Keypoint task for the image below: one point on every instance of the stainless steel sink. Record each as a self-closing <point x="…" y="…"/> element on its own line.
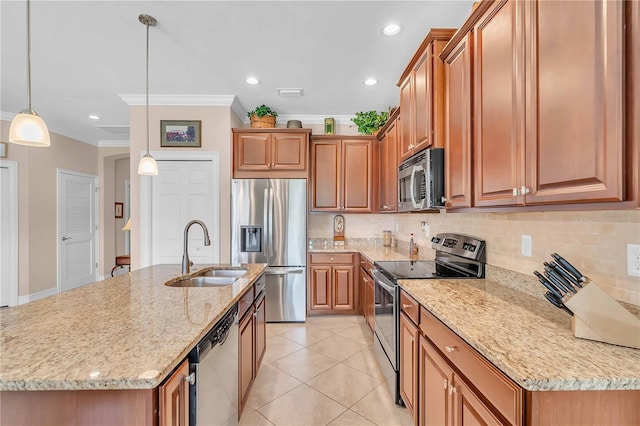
<point x="223" y="273"/>
<point x="210" y="278"/>
<point x="203" y="282"/>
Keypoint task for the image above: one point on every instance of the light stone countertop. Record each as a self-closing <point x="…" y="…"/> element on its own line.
<point x="525" y="337"/>
<point x="126" y="332"/>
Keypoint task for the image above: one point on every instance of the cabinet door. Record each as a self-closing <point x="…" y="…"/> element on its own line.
<point x="575" y="101"/>
<point x="363" y="293"/>
<point x="357" y="176"/>
<point x="252" y="151"/>
<point x="406" y="118"/>
<point x="409" y="363"/>
<point x="389" y="170"/>
<point x="499" y="105"/>
<point x="458" y="125"/>
<point x="423" y="101"/>
<point x="288" y="152"/>
<point x="320" y="287"/>
<point x="369" y="303"/>
<point x="434" y="404"/>
<point x="343" y="288"/>
<point x="174" y="398"/>
<point x="468" y="409"/>
<point x="326" y="160"/>
<point x="246" y="359"/>
<point x="261" y="331"/>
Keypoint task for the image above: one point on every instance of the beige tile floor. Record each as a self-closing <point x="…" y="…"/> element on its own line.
<point x="322" y="372"/>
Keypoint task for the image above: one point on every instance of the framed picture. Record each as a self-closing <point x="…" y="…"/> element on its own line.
<point x="180" y="133"/>
<point x="119" y="210"/>
<point x="3" y="149"/>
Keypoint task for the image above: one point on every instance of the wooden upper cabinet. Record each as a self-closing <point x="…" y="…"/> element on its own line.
<point x="342" y="172"/>
<point x="388" y="161"/>
<point x="549" y="104"/>
<point x="575" y="101"/>
<point x="458" y="146"/>
<point x="260" y="153"/>
<point x="499" y="107"/>
<point x="422" y="97"/>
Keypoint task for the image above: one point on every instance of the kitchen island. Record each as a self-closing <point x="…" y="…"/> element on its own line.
<point x="116" y="337"/>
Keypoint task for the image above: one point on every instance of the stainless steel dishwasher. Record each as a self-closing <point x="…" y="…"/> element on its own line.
<point x="213" y="398"/>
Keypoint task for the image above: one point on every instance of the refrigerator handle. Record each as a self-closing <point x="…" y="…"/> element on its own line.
<point x="266" y="221"/>
<point x="271" y="251"/>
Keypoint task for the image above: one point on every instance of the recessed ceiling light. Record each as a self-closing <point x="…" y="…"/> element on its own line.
<point x="391" y="29"/>
<point x="252" y="81"/>
<point x="370" y="82"/>
<point x="94" y="117"/>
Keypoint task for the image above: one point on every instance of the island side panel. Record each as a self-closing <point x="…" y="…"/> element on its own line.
<point x="85" y="407"/>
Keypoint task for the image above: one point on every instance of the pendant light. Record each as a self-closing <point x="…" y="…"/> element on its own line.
<point x="147" y="165"/>
<point x="28" y="128"/>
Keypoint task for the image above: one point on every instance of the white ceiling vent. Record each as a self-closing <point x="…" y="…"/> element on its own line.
<point x="290" y="93"/>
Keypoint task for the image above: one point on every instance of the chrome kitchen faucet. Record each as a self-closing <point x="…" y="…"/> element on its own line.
<point x="186" y="263"/>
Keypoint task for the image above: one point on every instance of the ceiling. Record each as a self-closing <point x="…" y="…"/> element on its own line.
<point x="85" y="54"/>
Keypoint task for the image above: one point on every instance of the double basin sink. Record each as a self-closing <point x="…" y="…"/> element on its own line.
<point x="209" y="278"/>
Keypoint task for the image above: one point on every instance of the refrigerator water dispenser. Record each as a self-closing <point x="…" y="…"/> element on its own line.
<point x="251" y="239"/>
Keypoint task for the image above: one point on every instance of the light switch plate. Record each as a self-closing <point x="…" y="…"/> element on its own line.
<point x="633" y="260"/>
<point x="526" y="248"/>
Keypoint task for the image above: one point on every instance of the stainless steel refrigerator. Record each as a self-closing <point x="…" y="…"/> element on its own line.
<point x="269" y="225"/>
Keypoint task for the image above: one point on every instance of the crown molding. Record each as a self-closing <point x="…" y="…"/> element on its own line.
<point x="311" y="119"/>
<point x="7" y="116"/>
<point x="179" y="100"/>
<point x="114" y="143"/>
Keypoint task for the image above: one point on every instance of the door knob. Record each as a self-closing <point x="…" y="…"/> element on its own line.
<point x="66" y="238"/>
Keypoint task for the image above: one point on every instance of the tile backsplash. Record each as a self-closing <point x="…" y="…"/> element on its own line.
<point x="595" y="241"/>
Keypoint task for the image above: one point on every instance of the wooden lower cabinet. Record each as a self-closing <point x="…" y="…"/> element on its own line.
<point x="332" y="285"/>
<point x="174" y="398"/>
<point x="261" y="330"/>
<point x="366" y="292"/>
<point x="408" y="363"/>
<point x="246" y="360"/>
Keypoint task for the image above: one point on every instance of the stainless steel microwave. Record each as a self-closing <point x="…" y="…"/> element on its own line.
<point x="421" y="181"/>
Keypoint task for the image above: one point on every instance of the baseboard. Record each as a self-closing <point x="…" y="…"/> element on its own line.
<point x="35" y="296"/>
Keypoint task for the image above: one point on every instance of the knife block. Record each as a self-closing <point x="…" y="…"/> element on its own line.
<point x="597" y="316"/>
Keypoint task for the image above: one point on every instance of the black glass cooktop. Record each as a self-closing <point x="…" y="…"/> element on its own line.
<point x="421" y="269"/>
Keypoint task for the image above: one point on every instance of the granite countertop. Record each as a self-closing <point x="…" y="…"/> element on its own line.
<point x="525" y="337"/>
<point x="126" y="332"/>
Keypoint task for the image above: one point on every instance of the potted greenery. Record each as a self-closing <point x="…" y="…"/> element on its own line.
<point x="370" y="122"/>
<point x="262" y="117"/>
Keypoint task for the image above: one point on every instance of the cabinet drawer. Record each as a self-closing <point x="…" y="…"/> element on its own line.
<point x="409" y="306"/>
<point x="365" y="264"/>
<point x="499" y="390"/>
<point x="331" y="258"/>
<point x="245" y="301"/>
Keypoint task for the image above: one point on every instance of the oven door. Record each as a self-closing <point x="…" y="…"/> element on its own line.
<point x="386" y="316"/>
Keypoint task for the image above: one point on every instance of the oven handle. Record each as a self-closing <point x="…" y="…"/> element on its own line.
<point x="383" y="282"/>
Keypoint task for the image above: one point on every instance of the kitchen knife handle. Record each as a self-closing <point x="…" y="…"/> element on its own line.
<point x="548" y="285"/>
<point x="558" y="282"/>
<point x="556" y="303"/>
<point x="562" y="272"/>
<point x="569" y="267"/>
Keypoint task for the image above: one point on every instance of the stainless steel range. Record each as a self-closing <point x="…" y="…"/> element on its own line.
<point x="457" y="256"/>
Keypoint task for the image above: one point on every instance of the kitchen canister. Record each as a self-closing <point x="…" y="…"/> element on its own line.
<point x="294" y="124"/>
<point x="386" y="238"/>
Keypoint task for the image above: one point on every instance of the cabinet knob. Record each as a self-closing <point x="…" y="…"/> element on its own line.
<point x="516" y="192"/>
<point x="446" y="383"/>
<point x="331" y="258"/>
<point x="452" y="390"/>
<point x="191" y="378"/>
<point x="405" y="306"/>
<point x="385" y="207"/>
<point x="444" y="199"/>
<point x="524" y="190"/>
<point x="450" y="348"/>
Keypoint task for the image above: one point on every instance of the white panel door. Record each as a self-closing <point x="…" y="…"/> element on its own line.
<point x="182" y="191"/>
<point x="77" y="230"/>
<point x="5" y="243"/>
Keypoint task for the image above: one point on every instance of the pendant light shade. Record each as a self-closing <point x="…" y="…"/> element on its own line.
<point x="28" y="128"/>
<point x="147" y="165"/>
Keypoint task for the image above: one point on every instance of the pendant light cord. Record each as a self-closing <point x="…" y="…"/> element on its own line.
<point x="29" y="55"/>
<point x="147" y="92"/>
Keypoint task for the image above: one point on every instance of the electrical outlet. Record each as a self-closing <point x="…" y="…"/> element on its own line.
<point x="526" y="245"/>
<point x="633" y="260"/>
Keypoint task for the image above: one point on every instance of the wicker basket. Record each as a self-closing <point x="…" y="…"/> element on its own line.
<point x="265" y="122"/>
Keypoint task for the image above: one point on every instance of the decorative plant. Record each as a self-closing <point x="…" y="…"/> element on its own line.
<point x="261" y="111"/>
<point x="369" y="122"/>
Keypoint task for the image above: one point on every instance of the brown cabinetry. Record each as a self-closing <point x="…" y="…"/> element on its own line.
<point x="261" y="153"/>
<point x="332" y="287"/>
<point x="421" y="85"/>
<point x="366" y="291"/>
<point x="342" y="174"/>
<point x="409" y="363"/>
<point x="457" y="66"/>
<point x="549" y="117"/>
<point x="252" y="334"/>
<point x="388" y="161"/>
<point x="174" y="398"/>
